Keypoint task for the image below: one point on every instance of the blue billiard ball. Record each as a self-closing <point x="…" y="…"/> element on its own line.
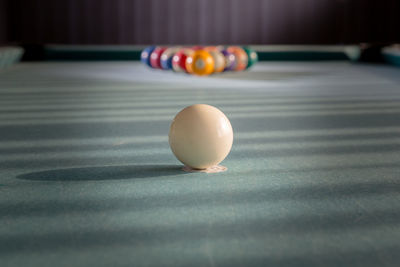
<point x="145" y="55"/>
<point x="166" y="57"/>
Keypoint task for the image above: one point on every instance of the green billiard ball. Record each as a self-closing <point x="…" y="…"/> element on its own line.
<point x="252" y="55"/>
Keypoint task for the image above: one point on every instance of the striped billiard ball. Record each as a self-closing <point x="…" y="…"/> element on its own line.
<point x="155" y="57"/>
<point x="179" y="60"/>
<point x="166" y="57"/>
<point x="219" y="58"/>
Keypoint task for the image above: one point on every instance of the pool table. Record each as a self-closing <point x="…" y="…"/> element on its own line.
<point x="87" y="177"/>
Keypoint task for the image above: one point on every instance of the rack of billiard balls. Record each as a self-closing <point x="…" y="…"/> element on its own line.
<point x="199" y="60"/>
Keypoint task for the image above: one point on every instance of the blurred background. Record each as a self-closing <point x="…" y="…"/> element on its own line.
<point x="143" y="22"/>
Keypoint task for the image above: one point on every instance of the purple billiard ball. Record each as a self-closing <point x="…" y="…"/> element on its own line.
<point x="230" y="60"/>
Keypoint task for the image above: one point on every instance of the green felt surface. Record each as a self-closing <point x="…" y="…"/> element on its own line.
<point x="87" y="177"/>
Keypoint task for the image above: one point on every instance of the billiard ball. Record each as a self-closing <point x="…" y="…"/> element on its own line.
<point x="200" y="136"/>
<point x="179" y="60"/>
<point x="166" y="57"/>
<point x="230" y="60"/>
<point x="241" y="57"/>
<point x="252" y="56"/>
<point x="145" y="55"/>
<point x="219" y="59"/>
<point x="220" y="47"/>
<point x="155" y="57"/>
<point x="200" y="62"/>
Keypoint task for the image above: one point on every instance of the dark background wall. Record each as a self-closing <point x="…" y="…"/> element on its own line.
<point x="3" y="22"/>
<point x="203" y="21"/>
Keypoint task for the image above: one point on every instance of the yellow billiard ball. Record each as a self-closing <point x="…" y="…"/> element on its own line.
<point x="219" y="58"/>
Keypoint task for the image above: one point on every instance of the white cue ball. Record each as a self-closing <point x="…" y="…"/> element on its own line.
<point x="200" y="136"/>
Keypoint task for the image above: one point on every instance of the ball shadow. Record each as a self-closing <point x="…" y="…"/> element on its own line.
<point x="98" y="173"/>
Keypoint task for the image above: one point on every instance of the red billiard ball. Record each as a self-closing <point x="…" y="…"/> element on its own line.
<point x="179" y="60"/>
<point x="155" y="57"/>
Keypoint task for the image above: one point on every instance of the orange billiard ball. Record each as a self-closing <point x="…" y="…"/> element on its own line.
<point x="241" y="57"/>
<point x="200" y="62"/>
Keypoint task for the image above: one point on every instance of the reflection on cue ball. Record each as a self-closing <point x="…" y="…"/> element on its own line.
<point x="200" y="136"/>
